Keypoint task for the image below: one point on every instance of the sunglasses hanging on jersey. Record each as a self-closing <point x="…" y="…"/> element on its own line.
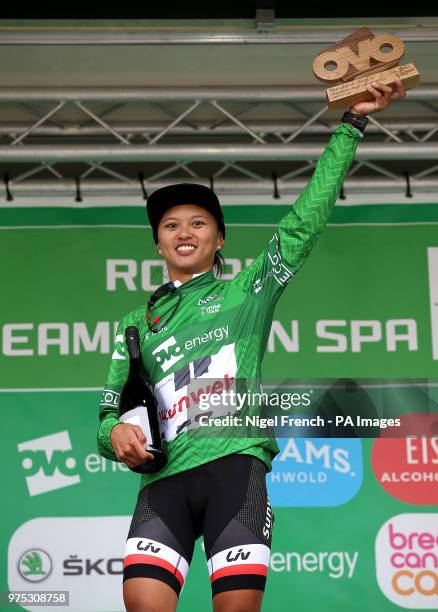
<point x="159" y="293"/>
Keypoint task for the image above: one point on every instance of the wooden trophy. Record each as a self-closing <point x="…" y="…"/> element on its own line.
<point x="358" y="60"/>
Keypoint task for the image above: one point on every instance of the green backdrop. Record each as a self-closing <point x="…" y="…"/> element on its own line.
<point x="364" y="307"/>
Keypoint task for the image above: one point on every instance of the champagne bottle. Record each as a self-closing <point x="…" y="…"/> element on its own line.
<point x="138" y="406"/>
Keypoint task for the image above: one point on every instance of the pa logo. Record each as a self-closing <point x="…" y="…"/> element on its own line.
<point x="168" y="353"/>
<point x="35" y="565"/>
<point x="48" y="463"/>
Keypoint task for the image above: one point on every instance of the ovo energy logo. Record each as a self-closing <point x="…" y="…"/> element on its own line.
<point x="168" y="353"/>
<point x="48" y="463"/>
<point x="407" y="560"/>
<point x="357" y="54"/>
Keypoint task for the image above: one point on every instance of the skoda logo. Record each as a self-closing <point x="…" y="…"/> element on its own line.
<point x="35" y="565"/>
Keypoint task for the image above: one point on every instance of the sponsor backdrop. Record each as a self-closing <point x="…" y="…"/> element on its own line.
<point x="356" y="518"/>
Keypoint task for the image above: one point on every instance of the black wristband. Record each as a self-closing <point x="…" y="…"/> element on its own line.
<point x="356" y="121"/>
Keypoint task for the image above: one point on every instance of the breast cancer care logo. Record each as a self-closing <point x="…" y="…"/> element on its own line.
<point x="407" y="560"/>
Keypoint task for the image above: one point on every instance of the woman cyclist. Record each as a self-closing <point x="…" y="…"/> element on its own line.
<point x="203" y="330"/>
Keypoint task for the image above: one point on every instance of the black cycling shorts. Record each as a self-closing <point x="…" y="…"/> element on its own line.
<point x="224" y="500"/>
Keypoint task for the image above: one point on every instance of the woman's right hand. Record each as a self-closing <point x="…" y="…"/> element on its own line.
<point x="128" y="442"/>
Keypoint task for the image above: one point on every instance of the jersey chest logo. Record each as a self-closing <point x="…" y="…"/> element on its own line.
<point x="179" y="394"/>
<point x="169" y="352"/>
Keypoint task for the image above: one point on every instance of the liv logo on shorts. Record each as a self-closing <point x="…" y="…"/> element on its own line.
<point x="151" y="552"/>
<point x="247" y="559"/>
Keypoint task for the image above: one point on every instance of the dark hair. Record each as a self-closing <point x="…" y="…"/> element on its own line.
<point x="218" y="264"/>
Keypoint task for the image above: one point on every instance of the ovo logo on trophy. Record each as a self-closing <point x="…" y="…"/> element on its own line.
<point x="358" y="60"/>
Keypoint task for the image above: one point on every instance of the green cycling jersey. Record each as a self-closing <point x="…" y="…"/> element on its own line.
<point x="219" y="330"/>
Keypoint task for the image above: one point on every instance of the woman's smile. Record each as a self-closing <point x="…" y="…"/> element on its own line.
<point x="185" y="249"/>
<point x="188" y="238"/>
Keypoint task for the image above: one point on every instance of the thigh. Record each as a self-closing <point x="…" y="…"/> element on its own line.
<point x="238" y="527"/>
<point x="160" y="540"/>
<point x="248" y="600"/>
<point x="148" y="595"/>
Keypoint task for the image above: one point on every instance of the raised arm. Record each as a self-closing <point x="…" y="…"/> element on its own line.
<point x="298" y="231"/>
<point x="301" y="227"/>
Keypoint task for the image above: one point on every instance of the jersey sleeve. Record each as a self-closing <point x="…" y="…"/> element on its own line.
<point x="109" y="402"/>
<point x="299" y="229"/>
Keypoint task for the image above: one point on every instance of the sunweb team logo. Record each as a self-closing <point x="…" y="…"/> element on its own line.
<point x="35" y="565"/>
<point x="168" y="353"/>
<point x="48" y="463"/>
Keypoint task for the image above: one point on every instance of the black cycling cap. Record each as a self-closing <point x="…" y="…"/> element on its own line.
<point x="182" y="193"/>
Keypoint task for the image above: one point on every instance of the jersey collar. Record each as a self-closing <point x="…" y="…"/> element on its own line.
<point x="197" y="280"/>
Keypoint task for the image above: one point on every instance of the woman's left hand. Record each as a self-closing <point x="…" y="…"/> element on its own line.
<point x="383" y="96"/>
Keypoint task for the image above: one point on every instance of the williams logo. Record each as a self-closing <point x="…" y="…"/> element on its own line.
<point x="48" y="463"/>
<point x="34" y="565"/>
<point x="168" y="353"/>
<point x="315" y="472"/>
